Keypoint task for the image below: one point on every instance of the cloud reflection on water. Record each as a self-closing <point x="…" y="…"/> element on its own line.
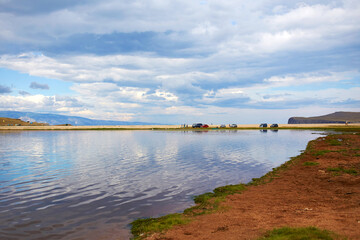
<point x="77" y="180"/>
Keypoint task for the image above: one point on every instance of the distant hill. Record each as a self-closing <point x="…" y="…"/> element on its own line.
<point x="18" y="122"/>
<point x="337" y="117"/>
<point x="56" y="119"/>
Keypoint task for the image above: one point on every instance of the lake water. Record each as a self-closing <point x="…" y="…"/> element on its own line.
<point x="92" y="184"/>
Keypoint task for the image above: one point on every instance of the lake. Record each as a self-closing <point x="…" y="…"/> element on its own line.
<point x="92" y="184"/>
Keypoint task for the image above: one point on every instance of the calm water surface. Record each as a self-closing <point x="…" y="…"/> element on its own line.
<point x="92" y="184"/>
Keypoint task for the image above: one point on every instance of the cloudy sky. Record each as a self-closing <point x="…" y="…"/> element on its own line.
<point x="180" y="61"/>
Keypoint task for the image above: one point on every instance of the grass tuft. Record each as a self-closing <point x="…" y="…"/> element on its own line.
<point x="339" y="170"/>
<point x="321" y="152"/>
<point x="307" y="233"/>
<point x="210" y="201"/>
<point x="335" y="142"/>
<point x="141" y="228"/>
<point x="310" y="163"/>
<point x="205" y="203"/>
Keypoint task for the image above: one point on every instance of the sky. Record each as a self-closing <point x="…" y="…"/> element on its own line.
<point x="176" y="62"/>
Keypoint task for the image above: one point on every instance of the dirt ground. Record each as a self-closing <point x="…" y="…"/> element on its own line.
<point x="300" y="196"/>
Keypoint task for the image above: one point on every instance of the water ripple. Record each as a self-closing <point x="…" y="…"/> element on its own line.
<point x="66" y="185"/>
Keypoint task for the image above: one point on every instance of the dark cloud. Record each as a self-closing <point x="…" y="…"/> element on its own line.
<point x="38" y="6"/>
<point x="291" y="104"/>
<point x="238" y="102"/>
<point x="348" y="103"/>
<point x="169" y="43"/>
<point x="276" y="95"/>
<point x="35" y="85"/>
<point x="162" y="43"/>
<point x="71" y="102"/>
<point x="24" y="93"/>
<point x="4" y="89"/>
<point x="143" y="83"/>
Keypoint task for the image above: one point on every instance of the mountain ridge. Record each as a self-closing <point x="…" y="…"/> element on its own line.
<point x="57" y="119"/>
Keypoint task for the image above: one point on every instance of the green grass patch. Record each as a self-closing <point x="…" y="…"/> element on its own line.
<point x="210" y="201"/>
<point x="310" y="163"/>
<point x="321" y="152"/>
<point x="307" y="233"/>
<point x="205" y="203"/>
<point x="344" y="152"/>
<point x="335" y="142"/>
<point x="339" y="170"/>
<point x="141" y="228"/>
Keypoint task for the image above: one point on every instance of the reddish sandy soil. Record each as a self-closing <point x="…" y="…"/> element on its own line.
<point x="301" y="196"/>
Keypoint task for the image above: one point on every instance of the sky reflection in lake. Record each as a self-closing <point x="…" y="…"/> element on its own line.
<point x="79" y="184"/>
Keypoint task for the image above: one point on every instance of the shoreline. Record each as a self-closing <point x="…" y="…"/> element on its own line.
<point x="319" y="187"/>
<point x="179" y="127"/>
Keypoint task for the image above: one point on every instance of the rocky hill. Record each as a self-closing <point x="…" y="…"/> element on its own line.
<point x="337" y="117"/>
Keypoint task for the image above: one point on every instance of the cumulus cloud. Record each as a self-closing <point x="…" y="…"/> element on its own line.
<point x="135" y="58"/>
<point x="105" y="27"/>
<point x="38" y="102"/>
<point x="35" y="85"/>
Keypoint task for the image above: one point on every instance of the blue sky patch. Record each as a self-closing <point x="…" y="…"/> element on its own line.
<point x="180" y="61"/>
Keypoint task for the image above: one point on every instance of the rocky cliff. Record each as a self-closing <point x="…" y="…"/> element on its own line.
<point x="337" y="117"/>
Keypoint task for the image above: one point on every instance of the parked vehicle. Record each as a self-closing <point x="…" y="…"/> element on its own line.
<point x="233" y="125"/>
<point x="222" y="126"/>
<point x="274" y="125"/>
<point x="197" y="125"/>
<point x="263" y="125"/>
<point x="205" y="126"/>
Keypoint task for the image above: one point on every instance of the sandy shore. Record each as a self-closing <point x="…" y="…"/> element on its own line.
<point x="164" y="127"/>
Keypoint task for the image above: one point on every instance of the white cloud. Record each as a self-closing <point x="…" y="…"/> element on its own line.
<point x="90" y="68"/>
<point x="253" y="53"/>
<point x="37" y="103"/>
<point x="308" y="78"/>
<point x="280" y="89"/>
<point x="311" y="27"/>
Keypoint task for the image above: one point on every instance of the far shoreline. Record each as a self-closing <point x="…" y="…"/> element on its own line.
<point x="325" y="126"/>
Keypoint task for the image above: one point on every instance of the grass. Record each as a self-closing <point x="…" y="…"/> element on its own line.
<point x="306" y="233"/>
<point x="310" y="163"/>
<point x="210" y="201"/>
<point x="339" y="170"/>
<point x="141" y="228"/>
<point x="205" y="203"/>
<point x="335" y="142"/>
<point x="322" y="152"/>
